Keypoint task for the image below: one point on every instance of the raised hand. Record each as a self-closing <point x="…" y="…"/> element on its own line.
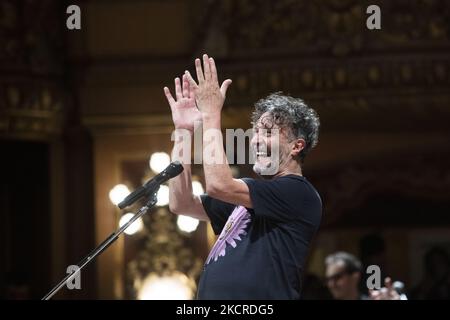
<point x="209" y="96"/>
<point x="386" y="293"/>
<point x="184" y="110"/>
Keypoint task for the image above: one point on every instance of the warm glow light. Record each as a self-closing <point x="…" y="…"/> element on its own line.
<point x="187" y="224"/>
<point x="197" y="188"/>
<point x="174" y="287"/>
<point x="136" y="226"/>
<point x="118" y="193"/>
<point x="163" y="196"/>
<point x="159" y="161"/>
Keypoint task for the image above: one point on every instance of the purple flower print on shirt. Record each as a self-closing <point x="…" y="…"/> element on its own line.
<point x="235" y="227"/>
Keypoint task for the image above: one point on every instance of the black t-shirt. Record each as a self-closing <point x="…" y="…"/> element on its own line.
<point x="260" y="252"/>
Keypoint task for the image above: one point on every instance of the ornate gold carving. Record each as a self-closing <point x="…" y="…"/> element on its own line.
<point x="32" y="94"/>
<point x="328" y="26"/>
<point x="422" y="177"/>
<point x="31" y="111"/>
<point x="322" y="50"/>
<point x="164" y="253"/>
<point x="362" y="80"/>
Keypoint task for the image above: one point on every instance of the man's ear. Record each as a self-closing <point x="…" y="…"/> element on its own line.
<point x="297" y="147"/>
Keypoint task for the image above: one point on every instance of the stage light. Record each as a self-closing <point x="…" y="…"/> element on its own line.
<point x="163" y="196"/>
<point x="135" y="227"/>
<point x="174" y="287"/>
<point x="197" y="188"/>
<point x="159" y="161"/>
<point x="187" y="224"/>
<point x="118" y="193"/>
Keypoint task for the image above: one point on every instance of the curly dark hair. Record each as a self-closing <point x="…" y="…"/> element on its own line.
<point x="292" y="113"/>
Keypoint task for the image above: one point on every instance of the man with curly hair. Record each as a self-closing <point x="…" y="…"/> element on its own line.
<point x="265" y="226"/>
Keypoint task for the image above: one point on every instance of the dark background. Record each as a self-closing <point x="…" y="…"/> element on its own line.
<point x="82" y="110"/>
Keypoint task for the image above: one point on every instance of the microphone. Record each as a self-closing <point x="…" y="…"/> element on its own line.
<point x="172" y="170"/>
<point x="399" y="287"/>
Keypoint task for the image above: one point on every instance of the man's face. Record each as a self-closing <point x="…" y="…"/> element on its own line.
<point x="341" y="283"/>
<point x="270" y="145"/>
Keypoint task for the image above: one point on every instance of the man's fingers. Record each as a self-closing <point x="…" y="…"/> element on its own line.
<point x="192" y="83"/>
<point x="212" y="66"/>
<point x="191" y="93"/>
<point x="185" y="87"/>
<point x="198" y="69"/>
<point x="178" y="93"/>
<point x="206" y="67"/>
<point x="374" y="295"/>
<point x="224" y="87"/>
<point x="388" y="283"/>
<point x="169" y="97"/>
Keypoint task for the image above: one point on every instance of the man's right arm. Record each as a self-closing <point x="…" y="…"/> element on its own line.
<point x="184" y="115"/>
<point x="181" y="198"/>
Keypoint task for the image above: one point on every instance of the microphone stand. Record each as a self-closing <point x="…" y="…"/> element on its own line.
<point x="105" y="244"/>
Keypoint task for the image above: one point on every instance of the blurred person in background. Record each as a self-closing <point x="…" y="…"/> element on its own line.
<point x="435" y="284"/>
<point x="343" y="275"/>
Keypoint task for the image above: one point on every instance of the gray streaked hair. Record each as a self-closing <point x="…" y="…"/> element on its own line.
<point x="292" y="113"/>
<point x="352" y="264"/>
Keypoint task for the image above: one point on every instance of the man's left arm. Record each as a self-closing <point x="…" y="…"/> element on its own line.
<point x="220" y="183"/>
